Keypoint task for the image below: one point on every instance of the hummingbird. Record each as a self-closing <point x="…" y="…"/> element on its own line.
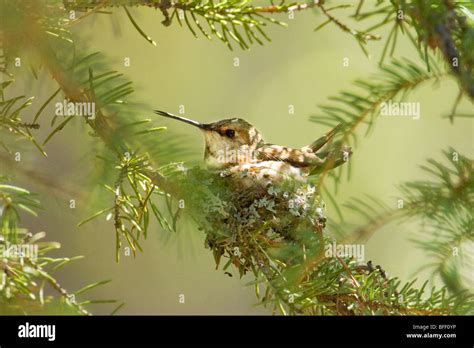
<point x="236" y="148"/>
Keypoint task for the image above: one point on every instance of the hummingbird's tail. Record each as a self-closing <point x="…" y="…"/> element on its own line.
<point x="315" y="146"/>
<point x="334" y="153"/>
<point x="332" y="158"/>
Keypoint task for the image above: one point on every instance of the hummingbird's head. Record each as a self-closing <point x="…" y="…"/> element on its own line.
<point x="228" y="142"/>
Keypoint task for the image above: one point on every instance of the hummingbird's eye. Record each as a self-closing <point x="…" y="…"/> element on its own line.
<point x="230" y="133"/>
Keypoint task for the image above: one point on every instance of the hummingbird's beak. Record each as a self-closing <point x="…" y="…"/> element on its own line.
<point x="202" y="126"/>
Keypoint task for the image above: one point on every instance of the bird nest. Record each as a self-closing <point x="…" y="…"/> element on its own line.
<point x="253" y="227"/>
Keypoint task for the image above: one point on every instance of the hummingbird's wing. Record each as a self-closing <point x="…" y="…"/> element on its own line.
<point x="296" y="157"/>
<point x="307" y="156"/>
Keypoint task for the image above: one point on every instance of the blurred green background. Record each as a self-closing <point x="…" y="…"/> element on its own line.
<point x="300" y="68"/>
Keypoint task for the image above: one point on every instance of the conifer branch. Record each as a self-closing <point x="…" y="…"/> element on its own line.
<point x="25" y="266"/>
<point x="440" y="207"/>
<point x="437" y="25"/>
<point x="361" y="108"/>
<point x="228" y="20"/>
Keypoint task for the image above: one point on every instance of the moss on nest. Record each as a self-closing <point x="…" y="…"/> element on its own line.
<point x="283" y="219"/>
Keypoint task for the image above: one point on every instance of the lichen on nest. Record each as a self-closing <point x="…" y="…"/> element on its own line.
<point x="283" y="219"/>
